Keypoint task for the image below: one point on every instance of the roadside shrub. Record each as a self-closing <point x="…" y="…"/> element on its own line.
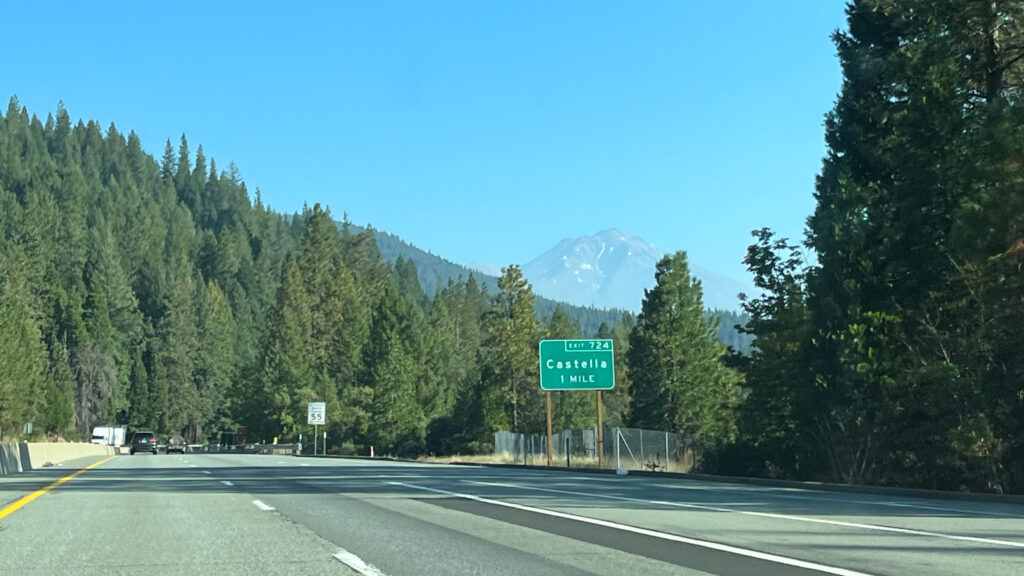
<point x="411" y="450"/>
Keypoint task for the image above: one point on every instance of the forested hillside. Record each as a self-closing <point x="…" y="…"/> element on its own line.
<point x="136" y="291"/>
<point x="157" y="294"/>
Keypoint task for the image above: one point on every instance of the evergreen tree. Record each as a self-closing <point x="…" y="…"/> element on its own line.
<point x="286" y="375"/>
<point x="779" y="414"/>
<point x="168" y="166"/>
<point x="920" y="143"/>
<point x="456" y="316"/>
<point x="408" y="283"/>
<point x="679" y="380"/>
<point x="616" y="401"/>
<point x="216" y="363"/>
<point x="391" y="373"/>
<point x="510" y="391"/>
<point x="179" y="342"/>
<point x="22" y="357"/>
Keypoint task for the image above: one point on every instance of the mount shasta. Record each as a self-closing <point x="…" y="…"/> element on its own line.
<point x="611" y="269"/>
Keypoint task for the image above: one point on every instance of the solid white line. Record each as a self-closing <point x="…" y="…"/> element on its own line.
<point x="645" y="532"/>
<point x="876" y="527"/>
<point x="226" y="483"/>
<point x="864" y="502"/>
<point x="944" y="509"/>
<point x="895" y="505"/>
<point x="356" y="563"/>
<point x="774" y="492"/>
<point x="259" y="504"/>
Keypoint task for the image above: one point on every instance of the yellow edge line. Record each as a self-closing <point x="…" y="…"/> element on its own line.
<point x="18" y="504"/>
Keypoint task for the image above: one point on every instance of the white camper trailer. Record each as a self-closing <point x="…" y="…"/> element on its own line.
<point x="109" y="435"/>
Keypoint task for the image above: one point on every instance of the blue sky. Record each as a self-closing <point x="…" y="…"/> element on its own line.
<point x="476" y="130"/>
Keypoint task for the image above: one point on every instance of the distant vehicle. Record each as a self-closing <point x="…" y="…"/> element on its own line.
<point x="143" y="441"/>
<point x="109" y="435"/>
<point x="176" y="444"/>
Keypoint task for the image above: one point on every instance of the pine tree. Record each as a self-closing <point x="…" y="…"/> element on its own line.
<point x="216" y="363"/>
<point x="616" y="401"/>
<point x="921" y="144"/>
<point x="99" y="356"/>
<point x="510" y="390"/>
<point x="22" y="357"/>
<point x="456" y="316"/>
<point x="168" y="166"/>
<point x="179" y="343"/>
<point x="407" y="281"/>
<point x="679" y="380"/>
<point x="391" y="373"/>
<point x="286" y="374"/>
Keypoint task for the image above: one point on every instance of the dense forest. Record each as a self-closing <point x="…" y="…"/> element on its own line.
<point x="162" y="294"/>
<point x="159" y="294"/>
<point x="896" y="357"/>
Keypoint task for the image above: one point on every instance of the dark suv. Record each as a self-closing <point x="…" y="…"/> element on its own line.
<point x="142" y="442"/>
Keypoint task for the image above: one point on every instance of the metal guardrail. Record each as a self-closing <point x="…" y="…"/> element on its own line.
<point x="277" y="449"/>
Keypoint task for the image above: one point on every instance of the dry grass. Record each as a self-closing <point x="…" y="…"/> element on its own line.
<point x="576" y="461"/>
<point x="509" y="458"/>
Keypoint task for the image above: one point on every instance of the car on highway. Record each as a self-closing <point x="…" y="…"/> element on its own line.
<point x="176" y="444"/>
<point x="142" y="441"/>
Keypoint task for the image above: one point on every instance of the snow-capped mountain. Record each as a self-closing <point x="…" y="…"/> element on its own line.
<point x="611" y="269"/>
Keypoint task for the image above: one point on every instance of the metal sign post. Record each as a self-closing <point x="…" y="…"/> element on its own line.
<point x="549" y="427"/>
<point x="600" y="434"/>
<point x="316" y="414"/>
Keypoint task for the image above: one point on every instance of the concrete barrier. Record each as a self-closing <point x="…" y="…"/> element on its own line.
<point x="10" y="459"/>
<point x="277" y="449"/>
<point x="29" y="455"/>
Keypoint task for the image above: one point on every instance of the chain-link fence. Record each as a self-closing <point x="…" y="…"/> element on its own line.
<point x="566" y="446"/>
<point x="629" y="448"/>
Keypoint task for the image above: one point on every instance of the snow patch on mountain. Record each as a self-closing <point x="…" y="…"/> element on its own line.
<point x="612" y="269"/>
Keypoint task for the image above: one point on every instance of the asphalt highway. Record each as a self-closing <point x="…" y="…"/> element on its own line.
<point x="229" y="514"/>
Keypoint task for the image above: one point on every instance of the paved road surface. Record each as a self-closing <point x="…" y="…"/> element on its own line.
<point x="223" y="514"/>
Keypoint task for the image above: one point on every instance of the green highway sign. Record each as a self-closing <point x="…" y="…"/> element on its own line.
<point x="577" y="365"/>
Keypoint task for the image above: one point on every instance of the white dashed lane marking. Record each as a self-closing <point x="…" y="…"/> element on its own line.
<point x="354" y="562"/>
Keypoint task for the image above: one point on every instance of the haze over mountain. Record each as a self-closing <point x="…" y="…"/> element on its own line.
<point x="485" y="267"/>
<point x="435" y="272"/>
<point x="611" y="269"/>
